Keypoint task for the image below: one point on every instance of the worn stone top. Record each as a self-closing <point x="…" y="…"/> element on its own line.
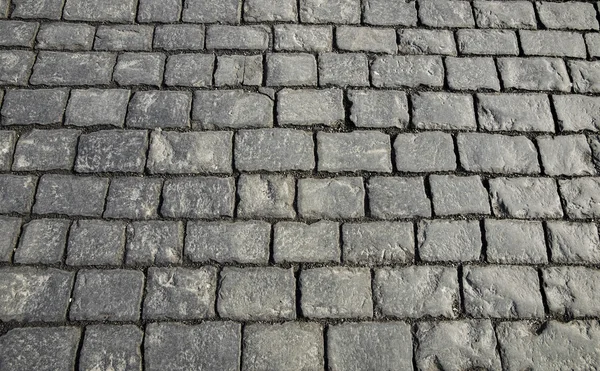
<point x="299" y="185"/>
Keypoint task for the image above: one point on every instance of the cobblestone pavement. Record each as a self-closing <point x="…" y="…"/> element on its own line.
<point x="299" y="185"/>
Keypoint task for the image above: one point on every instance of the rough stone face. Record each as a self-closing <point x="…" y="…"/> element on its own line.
<point x="378" y="243"/>
<point x="198" y="197"/>
<point x="302" y="38"/>
<point x="46" y="150"/>
<point x="451" y="13"/>
<point x="310" y="107"/>
<point x="577" y="112"/>
<point x="572" y="291"/>
<point x="140" y="69"/>
<point x="293" y="69"/>
<point x="321" y="11"/>
<point x="566" y="155"/>
<point x="524" y="198"/>
<point x="472" y="74"/>
<point x="91" y="107"/>
<point x="514" y="112"/>
<point x="366" y="39"/>
<point x="553" y="43"/>
<point x="343" y="69"/>
<point x="270" y="11"/>
<point x="581" y="197"/>
<point x="369" y="346"/>
<point x="502" y="292"/>
<point x="573" y="243"/>
<point x="515" y="242"/>
<point x="586" y="76"/>
<point x="154" y="243"/>
<point x="359" y="150"/>
<point x="534" y="74"/>
<point x="133" y="198"/>
<point x="571" y="15"/>
<point x="332" y="292"/>
<point x="440" y="110"/>
<point x="124" y="37"/>
<point x="68" y="36"/>
<point x="164" y="109"/>
<point x="221" y="11"/>
<point x="235" y="70"/>
<point x="331" y="198"/>
<point x="178" y="36"/>
<point x="96" y="242"/>
<point x="49" y="9"/>
<point x="64" y="68"/>
<point x="232" y="109"/>
<point x="500" y="14"/>
<point x="15" y="66"/>
<point x="593" y="43"/>
<point x="237" y="37"/>
<point x="42" y="241"/>
<point x="7" y="145"/>
<point x="103" y="10"/>
<point x="417" y="291"/>
<point x="428" y="151"/>
<point x="378" y="108"/>
<point x="486" y="42"/>
<point x="305" y="243"/>
<point x="16" y="193"/>
<point x="108" y="346"/>
<point x="407" y="71"/>
<point x="395" y="197"/>
<point x="390" y="13"/>
<point x="449" y="240"/>
<point x="70" y="195"/>
<point x="266" y="196"/>
<point x="192" y="70"/>
<point x="112" y="151"/>
<point x="40" y="106"/>
<point x="423" y="41"/>
<point x="159" y="11"/>
<point x="453" y="195"/>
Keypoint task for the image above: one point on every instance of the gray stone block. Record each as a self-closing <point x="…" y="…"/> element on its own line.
<point x="65" y="68"/>
<point x="310" y="107"/>
<point x="16" y="193"/>
<point x="7" y="145"/>
<point x="593" y="44"/>
<point x="43" y="241"/>
<point x="553" y="43"/>
<point x="4" y="7"/>
<point x="428" y="151"/>
<point x="535" y="73"/>
<point x="455" y="195"/>
<point x="355" y="151"/>
<point x="118" y="11"/>
<point x="396" y="197"/>
<point x="198" y="197"/>
<point x="449" y="240"/>
<point x="486" y="42"/>
<point x="232" y="109"/>
<point x="66" y="36"/>
<point x="524" y="198"/>
<point x="154" y="243"/>
<point x="266" y="196"/>
<point x="577" y="112"/>
<point x="297" y="242"/>
<point x="164" y="11"/>
<point x="586" y="76"/>
<point x="164" y="109"/>
<point x="112" y="151"/>
<point x="41" y="106"/>
<point x="89" y="107"/>
<point x="343" y="69"/>
<point x="287" y="69"/>
<point x="572" y="15"/>
<point x="237" y="37"/>
<point x="514" y="112"/>
<point x="302" y="38"/>
<point x="219" y="11"/>
<point x="446" y="13"/>
<point x="410" y="71"/>
<point x="46" y="150"/>
<point x="108" y="346"/>
<point x="133" y="198"/>
<point x="581" y="196"/>
<point x="15" y="66"/>
<point x="424" y="41"/>
<point x="48" y="9"/>
<point x="321" y="11"/>
<point x="96" y="242"/>
<point x="10" y="229"/>
<point x="500" y="14"/>
<point x="441" y="110"/>
<point x="390" y="13"/>
<point x="235" y="70"/>
<point x="572" y="291"/>
<point x="472" y="74"/>
<point x="124" y="37"/>
<point x="366" y="39"/>
<point x="573" y="243"/>
<point x="566" y="155"/>
<point x="378" y="108"/>
<point x="270" y="11"/>
<point x="193" y="70"/>
<point x="515" y="242"/>
<point x="70" y="195"/>
<point x="18" y="33"/>
<point x="378" y="243"/>
<point x="331" y="198"/>
<point x="140" y="69"/>
<point x="178" y="36"/>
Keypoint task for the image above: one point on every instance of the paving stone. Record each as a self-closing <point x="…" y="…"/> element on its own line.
<point x="366" y="39"/>
<point x="343" y="69"/>
<point x="133" y="198"/>
<point x="441" y="110"/>
<point x="573" y="243"/>
<point x="390" y="13"/>
<point x="336" y="292"/>
<point x="495" y="153"/>
<point x="34" y="295"/>
<point x="320" y="11"/>
<point x="219" y="11"/>
<point x="10" y="229"/>
<point x="262" y="294"/>
<point x="571" y="345"/>
<point x="577" y="112"/>
<point x="41" y="106"/>
<point x="302" y="38"/>
<point x="378" y="108"/>
<point x="566" y="155"/>
<point x="154" y="243"/>
<point x="457" y="345"/>
<point x="515" y="242"/>
<point x="122" y="11"/>
<point x="172" y="152"/>
<point x="472" y="74"/>
<point x="534" y="74"/>
<point x="369" y="345"/>
<point x="295" y="69"/>
<point x="49" y="9"/>
<point x="164" y="109"/>
<point x="524" y="198"/>
<point x="581" y="197"/>
<point x="96" y="242"/>
<point x="226" y="242"/>
<point x="235" y="70"/>
<point x="124" y="37"/>
<point x="180" y="293"/>
<point x="4" y="7"/>
<point x="198" y="197"/>
<point x="178" y="36"/>
<point x="193" y="70"/>
<point x="417" y="291"/>
<point x="395" y="197"/>
<point x="378" y="243"/>
<point x="108" y="346"/>
<point x="274" y="150"/>
<point x="553" y="43"/>
<point x="7" y="145"/>
<point x="446" y="13"/>
<point x="572" y="291"/>
<point x="270" y="11"/>
<point x="575" y="15"/>
<point x="502" y="292"/>
<point x="43" y="241"/>
<point x="298" y="242"/>
<point x="586" y="76"/>
<point x="112" y="151"/>
<point x="16" y="193"/>
<point x="40" y="348"/>
<point x="164" y="11"/>
<point x="485" y="42"/>
<point x="232" y="109"/>
<point x="428" y="151"/>
<point x="15" y="66"/>
<point x="514" y="112"/>
<point x="455" y="195"/>
<point x="449" y="240"/>
<point x="89" y="107"/>
<point x="176" y="345"/>
<point x="18" y="33"/>
<point x="331" y="198"/>
<point x="410" y="71"/>
<point x="355" y="151"/>
<point x="500" y="14"/>
<point x="140" y="69"/>
<point x="310" y="107"/>
<point x="70" y="195"/>
<point x="593" y="44"/>
<point x="107" y="295"/>
<point x="237" y="37"/>
<point x="66" y="36"/>
<point x="423" y="41"/>
<point x="283" y="346"/>
<point x="46" y="150"/>
<point x="65" y="68"/>
<point x="266" y="196"/>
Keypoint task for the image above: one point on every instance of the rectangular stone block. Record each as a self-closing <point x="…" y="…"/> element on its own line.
<point x="96" y="242"/>
<point x="198" y="197"/>
<point x="236" y="70"/>
<point x="310" y="107"/>
<point x="472" y="73"/>
<point x="164" y="11"/>
<point x="446" y="13"/>
<point x="500" y="14"/>
<point x="572" y="291"/>
<point x="154" y="243"/>
<point x="486" y="42"/>
<point x="297" y="242"/>
<point x="124" y="37"/>
<point x="159" y="109"/>
<point x="514" y="112"/>
<point x="133" y="198"/>
<point x="449" y="240"/>
<point x="118" y="11"/>
<point x="574" y="15"/>
<point x="566" y="155"/>
<point x="232" y="109"/>
<point x="48" y="9"/>
<point x="18" y="33"/>
<point x="15" y="67"/>
<point x="378" y="108"/>
<point x="90" y="107"/>
<point x="586" y="76"/>
<point x="192" y="70"/>
<point x="455" y="195"/>
<point x="390" y="13"/>
<point x="291" y="69"/>
<point x="343" y="69"/>
<point x="66" y="36"/>
<point x="64" y="68"/>
<point x="553" y="43"/>
<point x="378" y="243"/>
<point x="331" y="198"/>
<point x="366" y="39"/>
<point x="302" y="38"/>
<point x="407" y="71"/>
<point x="112" y="151"/>
<point x="10" y="229"/>
<point x="441" y="110"/>
<point x="107" y="345"/>
<point x="525" y="198"/>
<point x="320" y="11"/>
<point x="396" y="197"/>
<point x="266" y="196"/>
<point x="580" y="196"/>
<point x="7" y="145"/>
<point x="355" y="151"/>
<point x="178" y="36"/>
<point x="140" y="69"/>
<point x="535" y="74"/>
<point x="515" y="242"/>
<point x="218" y="11"/>
<point x="70" y="195"/>
<point x="45" y="150"/>
<point x="41" y="106"/>
<point x="237" y="37"/>
<point x="16" y="193"/>
<point x="573" y="243"/>
<point x="577" y="112"/>
<point x="425" y="41"/>
<point x="427" y="151"/>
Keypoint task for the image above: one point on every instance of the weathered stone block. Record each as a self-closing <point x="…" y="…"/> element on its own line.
<point x="266" y="196"/>
<point x="331" y="198"/>
<point x="112" y="151"/>
<point x="96" y="242"/>
<point x="154" y="243"/>
<point x="159" y="109"/>
<point x="407" y="71"/>
<point x="43" y="241"/>
<point x="64" y="68"/>
<point x="378" y="108"/>
<point x="515" y="242"/>
<point x="46" y="150"/>
<point x="70" y="195"/>
<point x="297" y="242"/>
<point x="310" y="107"/>
<point x="232" y="109"/>
<point x="193" y="70"/>
<point x="108" y="346"/>
<point x="92" y="107"/>
<point x="449" y="240"/>
<point x="133" y="198"/>
<point x="198" y="197"/>
<point x="454" y="195"/>
<point x="395" y="197"/>
<point x="524" y="198"/>
<point x="378" y="243"/>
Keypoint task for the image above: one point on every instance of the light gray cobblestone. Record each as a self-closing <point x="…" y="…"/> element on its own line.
<point x="302" y="38"/>
<point x="514" y="112"/>
<point x="133" y="198"/>
<point x="500" y="14"/>
<point x="359" y="150"/>
<point x="378" y="243"/>
<point x="366" y="39"/>
<point x="581" y="197"/>
<point x="192" y="70"/>
<point x="237" y="37"/>
<point x="586" y="76"/>
<point x="534" y="74"/>
<point x="266" y="196"/>
<point x="43" y="241"/>
<point x="304" y="243"/>
<point x="515" y="242"/>
<point x="573" y="242"/>
<point x="572" y="291"/>
<point x="96" y="242"/>
<point x="453" y="195"/>
<point x="574" y="15"/>
<point x="105" y="346"/>
<point x="154" y="242"/>
<point x="485" y="42"/>
<point x="397" y="197"/>
<point x="407" y="71"/>
<point x="310" y="107"/>
<point x="198" y="197"/>
<point x="428" y="151"/>
<point x="553" y="43"/>
<point x="178" y="36"/>
<point x="441" y="110"/>
<point x="425" y="41"/>
<point x="343" y="69"/>
<point x="234" y="70"/>
<point x="524" y="198"/>
<point x="67" y="36"/>
<point x="449" y="240"/>
<point x="390" y="13"/>
<point x="446" y="13"/>
<point x="379" y="109"/>
<point x="118" y="38"/>
<point x="472" y="73"/>
<point x="331" y="198"/>
<point x="320" y="11"/>
<point x="577" y="112"/>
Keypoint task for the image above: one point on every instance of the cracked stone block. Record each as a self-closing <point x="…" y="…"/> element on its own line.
<point x="43" y="241"/>
<point x="534" y="73"/>
<point x="500" y="14"/>
<point x="15" y="66"/>
<point x="70" y="195"/>
<point x="164" y="11"/>
<point x="133" y="198"/>
<point x="446" y="13"/>
<point x="193" y="70"/>
<point x="118" y="11"/>
<point x="45" y="9"/>
<point x="173" y="152"/>
<point x="180" y="293"/>
<point x="193" y="347"/>
<point x="423" y="41"/>
<point x="108" y="346"/>
<point x="178" y="36"/>
<point x="472" y="74"/>
<point x="457" y="345"/>
<point x="369" y="346"/>
<point x="302" y="38"/>
<point x="283" y="346"/>
<point x="502" y="292"/>
<point x="270" y="11"/>
<point x="390" y="13"/>
<point x="291" y="69"/>
<point x="355" y="151"/>
<point x="524" y="198"/>
<point x="18" y="33"/>
<point x="321" y="11"/>
<point x="581" y="196"/>
<point x="107" y="295"/>
<point x="154" y="243"/>
<point x="124" y="37"/>
<point x="336" y="292"/>
<point x="41" y="106"/>
<point x="577" y="112"/>
<point x="443" y="111"/>
<point x="574" y="15"/>
<point x="90" y="107"/>
<point x="310" y="107"/>
<point x="10" y="229"/>
<point x="66" y="36"/>
<point x="378" y="109"/>
<point x="409" y="71"/>
<point x="66" y="68"/>
<point x="571" y="345"/>
<point x="378" y="243"/>
<point x="40" y="348"/>
<point x="298" y="242"/>
<point x="96" y="242"/>
<point x="160" y="109"/>
<point x="495" y="153"/>
<point x="331" y="198"/>
<point x="343" y="69"/>
<point x="16" y="193"/>
<point x="396" y="197"/>
<point x="213" y="11"/>
<point x="572" y="291"/>
<point x="366" y="39"/>
<point x="553" y="43"/>
<point x="140" y="69"/>
<point x="455" y="195"/>
<point x="266" y="196"/>
<point x="44" y="150"/>
<point x="237" y="37"/>
<point x="261" y="294"/>
<point x="514" y="112"/>
<point x="198" y="197"/>
<point x="225" y="242"/>
<point x="417" y="291"/>
<point x="486" y="42"/>
<point x="112" y="151"/>
<point x="566" y="155"/>
<point x="449" y="240"/>
<point x="8" y="140"/>
<point x="593" y="43"/>
<point x="573" y="243"/>
<point x="34" y="295"/>
<point x="586" y="76"/>
<point x="428" y="151"/>
<point x="515" y="242"/>
<point x="236" y="70"/>
<point x="231" y="109"/>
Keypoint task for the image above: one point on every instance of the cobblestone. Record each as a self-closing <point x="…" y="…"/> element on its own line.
<point x="573" y="242"/>
<point x="133" y="198"/>
<point x="119" y="38"/>
<point x="359" y="150"/>
<point x="484" y="42"/>
<point x="378" y="109"/>
<point x="96" y="242"/>
<point x="567" y="44"/>
<point x="534" y="74"/>
<point x="154" y="242"/>
<point x="67" y="36"/>
<point x="19" y="108"/>
<point x="18" y="33"/>
<point x="194" y="70"/>
<point x="266" y="196"/>
<point x="112" y="151"/>
<point x="407" y="71"/>
<point x="62" y="68"/>
<point x="439" y="111"/>
<point x="449" y="240"/>
<point x="305" y="243"/>
<point x="397" y="197"/>
<point x="572" y="291"/>
<point x="198" y="197"/>
<point x="525" y="197"/>
<point x="580" y="196"/>
<point x="43" y="241"/>
<point x="45" y="150"/>
<point x="453" y="195"/>
<point x="499" y="14"/>
<point x="515" y="242"/>
<point x="347" y="69"/>
<point x="424" y="41"/>
<point x="107" y="346"/>
<point x="302" y="38"/>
